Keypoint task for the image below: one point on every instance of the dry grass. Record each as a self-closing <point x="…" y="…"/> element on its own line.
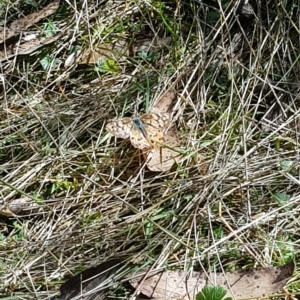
<point x="233" y="201"/>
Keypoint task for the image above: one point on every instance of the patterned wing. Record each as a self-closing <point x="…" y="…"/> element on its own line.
<point x="120" y="128"/>
<point x="155" y="125"/>
<point x="159" y="121"/>
<point x="144" y="132"/>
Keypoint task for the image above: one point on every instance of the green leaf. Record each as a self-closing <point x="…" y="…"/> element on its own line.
<point x="207" y="143"/>
<point x="218" y="232"/>
<point x="149" y="229"/>
<point x="48" y="62"/>
<point x="149" y="56"/>
<point x="188" y="197"/>
<point x="45" y="61"/>
<point x="212" y="293"/>
<point x="286" y="165"/>
<point x="282" y="198"/>
<point x="50" y="29"/>
<point x="38" y="198"/>
<point x="107" y="66"/>
<point x="32" y="3"/>
<point x="111" y="66"/>
<point x="100" y="66"/>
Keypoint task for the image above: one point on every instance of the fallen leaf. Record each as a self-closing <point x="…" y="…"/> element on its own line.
<point x="22" y="24"/>
<point x="162" y="159"/>
<point x="241" y="284"/>
<point x="34" y="43"/>
<point x="23" y="206"/>
<point x="27" y="47"/>
<point x="91" y="283"/>
<point x="165" y="102"/>
<point x="29" y="20"/>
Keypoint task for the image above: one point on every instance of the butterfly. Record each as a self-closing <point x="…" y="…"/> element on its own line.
<point x="144" y="132"/>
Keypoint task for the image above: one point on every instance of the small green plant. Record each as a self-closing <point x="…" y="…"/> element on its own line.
<point x="48" y="62"/>
<point x="19" y="232"/>
<point x="289" y="166"/>
<point x="90" y="218"/>
<point x="50" y="29"/>
<point x="212" y="293"/>
<point x="62" y="185"/>
<point x="282" y="199"/>
<point x="2" y="237"/>
<point x="149" y="56"/>
<point x="285" y="249"/>
<point x="286" y="165"/>
<point x="32" y="3"/>
<point x="107" y="66"/>
<point x="37" y="197"/>
<point x="218" y="232"/>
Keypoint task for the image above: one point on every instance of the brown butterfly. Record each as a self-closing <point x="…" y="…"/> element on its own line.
<point x="144" y="132"/>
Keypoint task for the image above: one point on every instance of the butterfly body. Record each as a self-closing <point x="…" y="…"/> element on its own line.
<point x="138" y="124"/>
<point x="144" y="132"/>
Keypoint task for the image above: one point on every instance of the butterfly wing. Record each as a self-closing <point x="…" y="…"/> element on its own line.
<point x="138" y="140"/>
<point x="154" y="127"/>
<point x="120" y="128"/>
<point x="144" y="132"/>
<point x="159" y="121"/>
